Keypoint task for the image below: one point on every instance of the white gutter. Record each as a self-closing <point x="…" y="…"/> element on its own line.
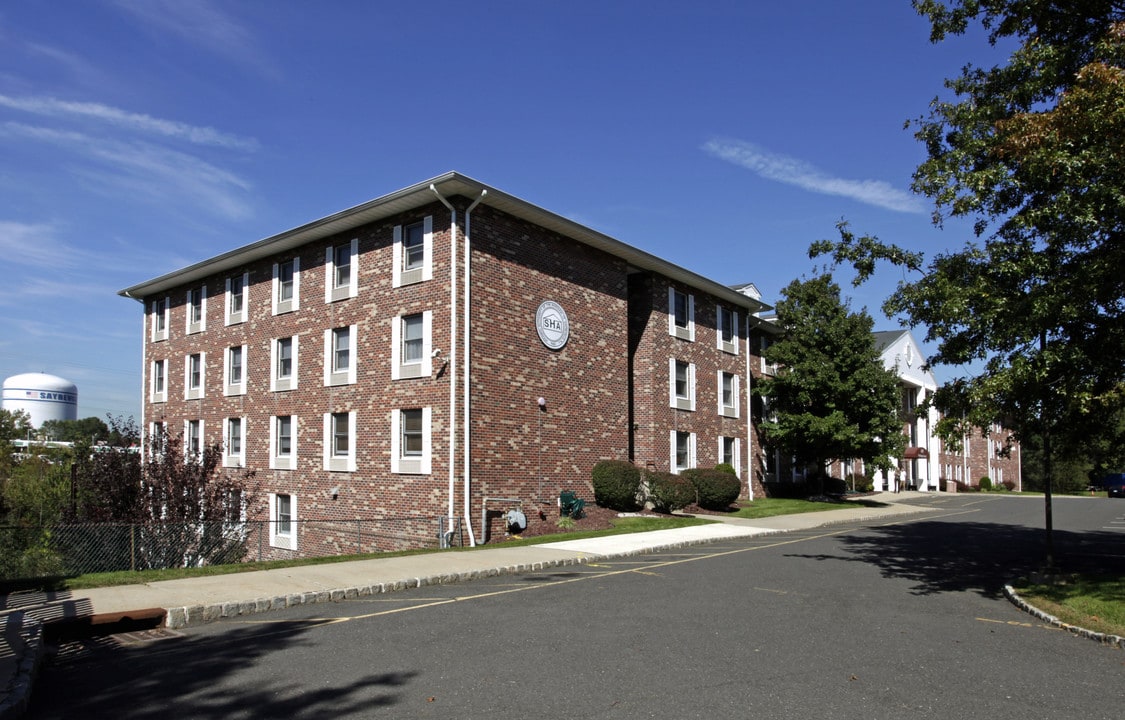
<point x="465" y="404"/>
<point x="452" y="351"/>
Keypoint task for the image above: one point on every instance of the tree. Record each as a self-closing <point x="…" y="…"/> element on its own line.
<point x="1033" y="151"/>
<point x="13" y="426"/>
<point x="831" y="399"/>
<point x="89" y="429"/>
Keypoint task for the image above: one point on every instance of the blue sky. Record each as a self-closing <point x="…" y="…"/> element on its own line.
<point x="140" y="136"/>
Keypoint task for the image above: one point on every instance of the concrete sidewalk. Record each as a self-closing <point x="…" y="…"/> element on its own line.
<point x="193" y="601"/>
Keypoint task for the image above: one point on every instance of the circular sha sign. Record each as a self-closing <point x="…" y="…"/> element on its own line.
<point x="552" y="325"/>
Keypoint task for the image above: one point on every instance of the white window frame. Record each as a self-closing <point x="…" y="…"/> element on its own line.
<point x="157" y="429"/>
<point x="195" y="392"/>
<point x="278" y="383"/>
<point x="332" y="375"/>
<point x="731" y="411"/>
<point x="280" y="306"/>
<point x="727" y="346"/>
<point x="424" y="368"/>
<point x="672" y="456"/>
<point x="737" y="453"/>
<point x="231" y="458"/>
<point x="196" y="326"/>
<point x="234" y="317"/>
<point x="344" y="462"/>
<point x="277" y="460"/>
<point x="687" y="332"/>
<point x="238" y="388"/>
<point x="402" y="277"/>
<point x="161" y="310"/>
<point x="674" y="399"/>
<point x="193" y="454"/>
<point x="158" y="371"/>
<point x="332" y="290"/>
<point x="412" y="464"/>
<point x="284" y="540"/>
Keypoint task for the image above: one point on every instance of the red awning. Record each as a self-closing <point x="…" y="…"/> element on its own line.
<point x="915" y="453"/>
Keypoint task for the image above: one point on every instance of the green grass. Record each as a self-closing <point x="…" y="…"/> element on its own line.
<point x="768" y="507"/>
<point x="1092" y="602"/>
<point x="621" y="526"/>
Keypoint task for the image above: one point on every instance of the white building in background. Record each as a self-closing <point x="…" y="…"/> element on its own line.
<point x="43" y="397"/>
<point x="918" y="469"/>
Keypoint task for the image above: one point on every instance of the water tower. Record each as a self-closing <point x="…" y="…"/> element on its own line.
<point x="43" y="397"/>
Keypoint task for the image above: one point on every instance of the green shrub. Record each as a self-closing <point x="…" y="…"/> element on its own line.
<point x="727" y="468"/>
<point x="668" y="492"/>
<point x="715" y="489"/>
<point x="985" y="483"/>
<point x="834" y="486"/>
<point x="617" y="485"/>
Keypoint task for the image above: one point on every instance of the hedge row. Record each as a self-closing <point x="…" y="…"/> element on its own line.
<point x="620" y="485"/>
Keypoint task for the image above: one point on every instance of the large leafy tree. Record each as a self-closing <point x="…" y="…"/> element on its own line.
<point x="1033" y="152"/>
<point x="831" y="399"/>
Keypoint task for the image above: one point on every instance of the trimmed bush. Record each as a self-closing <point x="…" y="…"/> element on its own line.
<point x="834" y="486"/>
<point x="985" y="483"/>
<point x="668" y="492"/>
<point x="727" y="468"/>
<point x="715" y="489"/>
<point x="617" y="485"/>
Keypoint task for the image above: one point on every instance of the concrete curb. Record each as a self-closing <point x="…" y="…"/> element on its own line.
<point x="25" y="634"/>
<point x="1102" y="638"/>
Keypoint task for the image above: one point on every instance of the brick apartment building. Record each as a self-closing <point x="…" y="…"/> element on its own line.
<point x="441" y="348"/>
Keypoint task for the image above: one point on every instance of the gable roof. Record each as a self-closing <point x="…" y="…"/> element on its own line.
<point x="449" y="185"/>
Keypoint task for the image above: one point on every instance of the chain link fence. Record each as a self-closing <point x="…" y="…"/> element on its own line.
<point x="32" y="552"/>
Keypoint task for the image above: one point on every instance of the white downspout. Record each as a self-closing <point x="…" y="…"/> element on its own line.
<point x="452" y="353"/>
<point x="749" y="415"/>
<point x="465" y="404"/>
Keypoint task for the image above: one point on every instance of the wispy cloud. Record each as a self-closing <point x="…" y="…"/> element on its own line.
<point x="791" y="171"/>
<point x="148" y="169"/>
<point x="33" y="245"/>
<point x="138" y="122"/>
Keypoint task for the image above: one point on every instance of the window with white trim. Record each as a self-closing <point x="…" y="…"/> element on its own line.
<point x="411" y="450"/>
<point x="682" y="450"/>
<point x="339" y="441"/>
<point x="234" y="437"/>
<point x="193" y="440"/>
<point x="341" y="271"/>
<point x="283" y="521"/>
<point x="340" y="356"/>
<point x="283" y="442"/>
<point x="195" y="367"/>
<point x="236" y="298"/>
<point x="283" y="364"/>
<point x="158" y="390"/>
<point x="160" y="311"/>
<point x="681" y="384"/>
<point x="730" y="452"/>
<point x="681" y="314"/>
<point x="234" y="371"/>
<point x="411" y="343"/>
<point x="413" y="254"/>
<point x="197" y="309"/>
<point x="726" y="334"/>
<point x="157" y="438"/>
<point x="728" y="394"/>
<point x="286" y="286"/>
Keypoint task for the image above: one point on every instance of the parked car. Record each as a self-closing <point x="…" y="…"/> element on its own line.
<point x="1114" y="485"/>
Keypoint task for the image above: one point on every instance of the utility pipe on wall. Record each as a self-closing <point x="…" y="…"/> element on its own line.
<point x="452" y="352"/>
<point x="465" y="403"/>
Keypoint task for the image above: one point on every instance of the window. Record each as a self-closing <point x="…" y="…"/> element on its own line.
<point x="159" y="380"/>
<point x="411" y="452"/>
<point x="681" y="384"/>
<point x="681" y="314"/>
<point x="283" y="361"/>
<point x="411" y="353"/>
<point x="236" y="298"/>
<point x="767" y="367"/>
<point x="730" y="452"/>
<point x="157" y="438"/>
<point x="235" y="372"/>
<point x="197" y="309"/>
<point x="727" y="330"/>
<point x="286" y="286"/>
<point x="233" y="442"/>
<point x="160" y="309"/>
<point x="683" y="450"/>
<point x="195" y="368"/>
<point x="413" y="252"/>
<point x="283" y="521"/>
<point x="193" y="440"/>
<point x="340" y="356"/>
<point x="341" y="273"/>
<point x="283" y="442"/>
<point x="728" y="394"/>
<point x="339" y="441"/>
